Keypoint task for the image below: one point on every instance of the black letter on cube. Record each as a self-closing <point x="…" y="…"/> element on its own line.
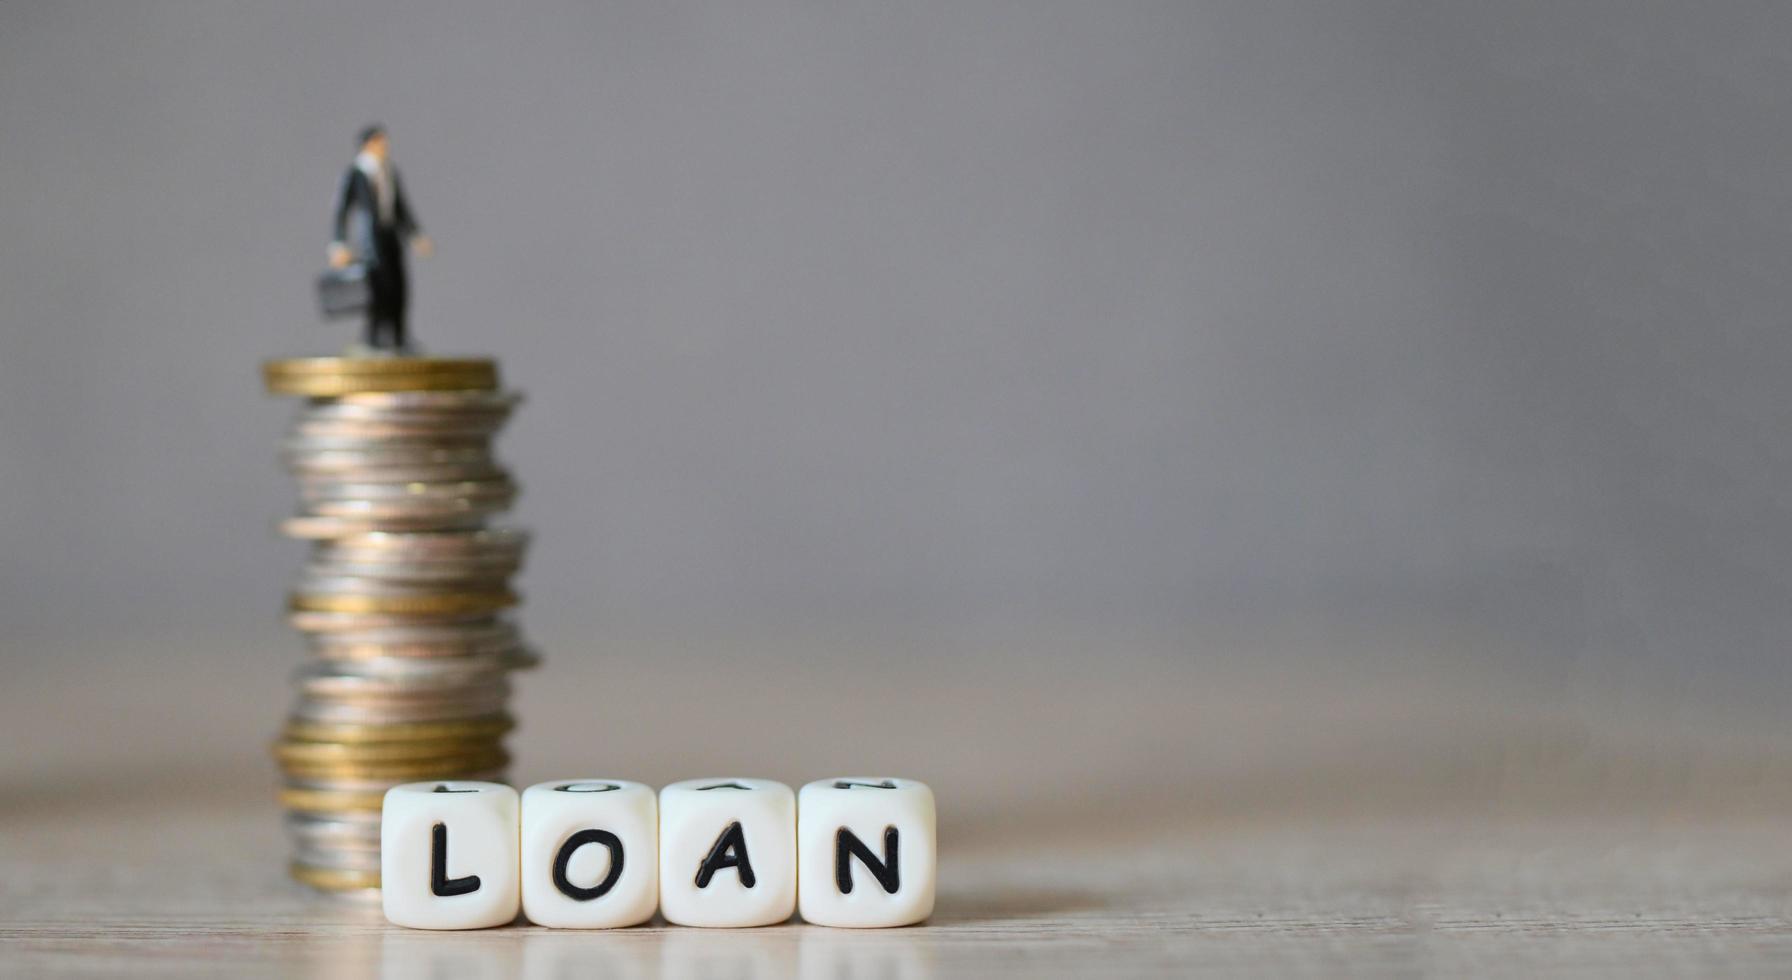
<point x="729" y="851"/>
<point x="439" y="882"/>
<point x="573" y="843"/>
<point x="847" y="846"/>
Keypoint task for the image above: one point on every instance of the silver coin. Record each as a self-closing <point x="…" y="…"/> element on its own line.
<point x="331" y="834"/>
<point x="421" y="515"/>
<point x="325" y="683"/>
<point x="432" y="555"/>
<point x="450" y="472"/>
<point x="343" y="412"/>
<point x="355" y="825"/>
<point x="317" y="584"/>
<point x="419" y="511"/>
<point x="313" y="473"/>
<point x="403" y="693"/>
<point x="419" y="564"/>
<point x="443" y="671"/>
<point x="371" y="786"/>
<point x="337" y="622"/>
<point x="385" y="689"/>
<point x="405" y="580"/>
<point x="327" y="554"/>
<point x="497" y="403"/>
<point x="349" y="419"/>
<point x="351" y="647"/>
<point x="384" y="695"/>
<point x="498" y="406"/>
<point x="342" y="687"/>
<point x="422" y="399"/>
<point x="341" y="859"/>
<point x="323" y="527"/>
<point x="321" y="490"/>
<point x="307" y="459"/>
<point x="436" y="576"/>
<point x="315" y="453"/>
<point x="496" y="410"/>
<point x="460" y="433"/>
<point x="311" y="843"/>
<point x="484" y="635"/>
<point x="474" y="633"/>
<point x="518" y="657"/>
<point x="390" y="713"/>
<point x="481" y="542"/>
<point x="308" y="444"/>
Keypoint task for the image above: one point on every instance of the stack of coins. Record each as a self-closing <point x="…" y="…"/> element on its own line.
<point x="402" y="602"/>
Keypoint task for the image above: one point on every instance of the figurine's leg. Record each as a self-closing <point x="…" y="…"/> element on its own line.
<point x="383" y="301"/>
<point x="400" y="299"/>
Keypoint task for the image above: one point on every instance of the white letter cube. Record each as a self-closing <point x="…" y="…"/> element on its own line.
<point x="727" y="852"/>
<point x="590" y="850"/>
<point x="448" y="855"/>
<point x="866" y="851"/>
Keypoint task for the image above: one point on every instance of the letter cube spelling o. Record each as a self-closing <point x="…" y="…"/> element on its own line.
<point x="590" y="850"/>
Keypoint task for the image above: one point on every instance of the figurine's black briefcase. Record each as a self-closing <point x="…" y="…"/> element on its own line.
<point x="344" y="292"/>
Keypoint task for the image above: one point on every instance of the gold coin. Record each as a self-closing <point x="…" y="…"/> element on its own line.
<point x="332" y="385"/>
<point x="299" y="730"/>
<point x="334" y="879"/>
<point x="478" y="758"/>
<point x="411" y="769"/>
<point x="329" y="801"/>
<point x="324" y="377"/>
<point x="465" y="603"/>
<point x="375" y="366"/>
<point x="312" y="753"/>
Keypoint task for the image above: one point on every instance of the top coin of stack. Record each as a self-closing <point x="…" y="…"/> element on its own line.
<point x="326" y="377"/>
<point x="402" y="600"/>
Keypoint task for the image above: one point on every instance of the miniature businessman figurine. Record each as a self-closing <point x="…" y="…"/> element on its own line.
<point x="373" y="225"/>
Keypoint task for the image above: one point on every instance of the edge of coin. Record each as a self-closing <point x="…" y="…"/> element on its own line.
<point x="330" y="376"/>
<point x="299" y="730"/>
<point x="333" y="879"/>
<point x="337" y="377"/>
<point x="336" y="364"/>
<point x="470" y="602"/>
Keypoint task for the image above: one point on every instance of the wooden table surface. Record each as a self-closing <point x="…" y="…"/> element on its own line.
<point x="1158" y="811"/>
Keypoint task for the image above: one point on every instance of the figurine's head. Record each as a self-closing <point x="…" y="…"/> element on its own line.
<point x="373" y="142"/>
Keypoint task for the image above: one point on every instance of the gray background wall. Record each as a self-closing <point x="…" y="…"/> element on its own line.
<point x="1142" y="316"/>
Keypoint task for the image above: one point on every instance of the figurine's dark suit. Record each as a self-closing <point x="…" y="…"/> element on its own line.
<point x="378" y="243"/>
